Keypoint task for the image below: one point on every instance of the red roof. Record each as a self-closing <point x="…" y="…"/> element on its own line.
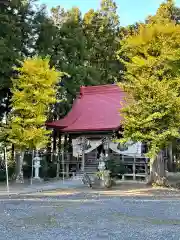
<point x="95" y="109"/>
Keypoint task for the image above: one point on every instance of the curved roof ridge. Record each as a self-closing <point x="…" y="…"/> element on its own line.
<point x="96" y="108"/>
<point x="99" y="89"/>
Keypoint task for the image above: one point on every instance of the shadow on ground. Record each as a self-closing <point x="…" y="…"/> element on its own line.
<point x="121" y="190"/>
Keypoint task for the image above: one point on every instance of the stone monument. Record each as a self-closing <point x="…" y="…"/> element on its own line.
<point x="37" y="165"/>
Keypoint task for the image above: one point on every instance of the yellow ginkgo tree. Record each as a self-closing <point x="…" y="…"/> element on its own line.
<point x="33" y="92"/>
<point x="152" y="80"/>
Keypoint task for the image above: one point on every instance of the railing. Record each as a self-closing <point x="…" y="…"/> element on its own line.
<point x="62" y="163"/>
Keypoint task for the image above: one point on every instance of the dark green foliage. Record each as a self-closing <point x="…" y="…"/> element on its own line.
<point x="85" y="48"/>
<point x="47" y="170"/>
<point x="116" y="168"/>
<point x="22" y="34"/>
<point x="11" y="172"/>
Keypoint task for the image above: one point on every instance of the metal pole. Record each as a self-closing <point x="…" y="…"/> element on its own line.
<point x="6" y="163"/>
<point x="134" y="168"/>
<point x="32" y="166"/>
<point x="146" y="168"/>
<point x="170" y="157"/>
<point x="63" y="163"/>
<point x="58" y="163"/>
<point x="83" y="159"/>
<point x="83" y="153"/>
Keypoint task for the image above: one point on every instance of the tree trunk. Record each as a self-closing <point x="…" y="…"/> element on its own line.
<point x="65" y="141"/>
<point x="157" y="170"/>
<point x="170" y="158"/>
<point x="12" y="152"/>
<point x="70" y="148"/>
<point x="65" y="146"/>
<point x="54" y="140"/>
<point x="59" y="154"/>
<point x="59" y="142"/>
<point x="19" y="164"/>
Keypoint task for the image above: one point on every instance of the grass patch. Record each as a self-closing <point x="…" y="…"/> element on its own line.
<point x="153" y="221"/>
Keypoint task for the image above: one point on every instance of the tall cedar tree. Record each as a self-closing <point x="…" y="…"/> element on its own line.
<point x="101" y="29"/>
<point x="85" y="48"/>
<point x="21" y="35"/>
<point x="69" y="54"/>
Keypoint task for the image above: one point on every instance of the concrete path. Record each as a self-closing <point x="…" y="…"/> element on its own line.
<point x="17" y="189"/>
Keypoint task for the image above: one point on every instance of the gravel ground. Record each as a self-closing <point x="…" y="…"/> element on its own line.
<point x="89" y="217"/>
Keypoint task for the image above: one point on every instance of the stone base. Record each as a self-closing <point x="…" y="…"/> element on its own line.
<point x="19" y="178"/>
<point x="106" y="183"/>
<point x="37" y="180"/>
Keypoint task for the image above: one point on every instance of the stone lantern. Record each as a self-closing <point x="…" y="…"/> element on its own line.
<point x="36" y="165"/>
<point x="102" y="165"/>
<point x="83" y="144"/>
<point x="105" y="142"/>
<point x="104" y="175"/>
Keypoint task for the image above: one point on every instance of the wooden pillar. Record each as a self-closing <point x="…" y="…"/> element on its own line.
<point x="146" y="170"/>
<point x="63" y="164"/>
<point x="83" y="160"/>
<point x="65" y="142"/>
<point x="134" y="169"/>
<point x="67" y="169"/>
<point x="54" y="140"/>
<point x="66" y="165"/>
<point x="83" y="154"/>
<point x="59" y="154"/>
<point x="123" y="178"/>
<point x="48" y="149"/>
<point x="59" y="141"/>
<point x="70" y="149"/>
<point x="58" y="166"/>
<point x="123" y="158"/>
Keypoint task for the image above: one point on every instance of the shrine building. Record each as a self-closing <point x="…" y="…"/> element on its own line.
<point x="92" y="124"/>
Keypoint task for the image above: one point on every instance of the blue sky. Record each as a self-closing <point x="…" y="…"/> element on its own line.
<point x="129" y="11"/>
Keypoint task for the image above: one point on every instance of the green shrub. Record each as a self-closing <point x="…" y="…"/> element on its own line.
<point x="115" y="168"/>
<point x="11" y="172"/>
<point x="52" y="168"/>
<point x="48" y="169"/>
<point x="2" y="175"/>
